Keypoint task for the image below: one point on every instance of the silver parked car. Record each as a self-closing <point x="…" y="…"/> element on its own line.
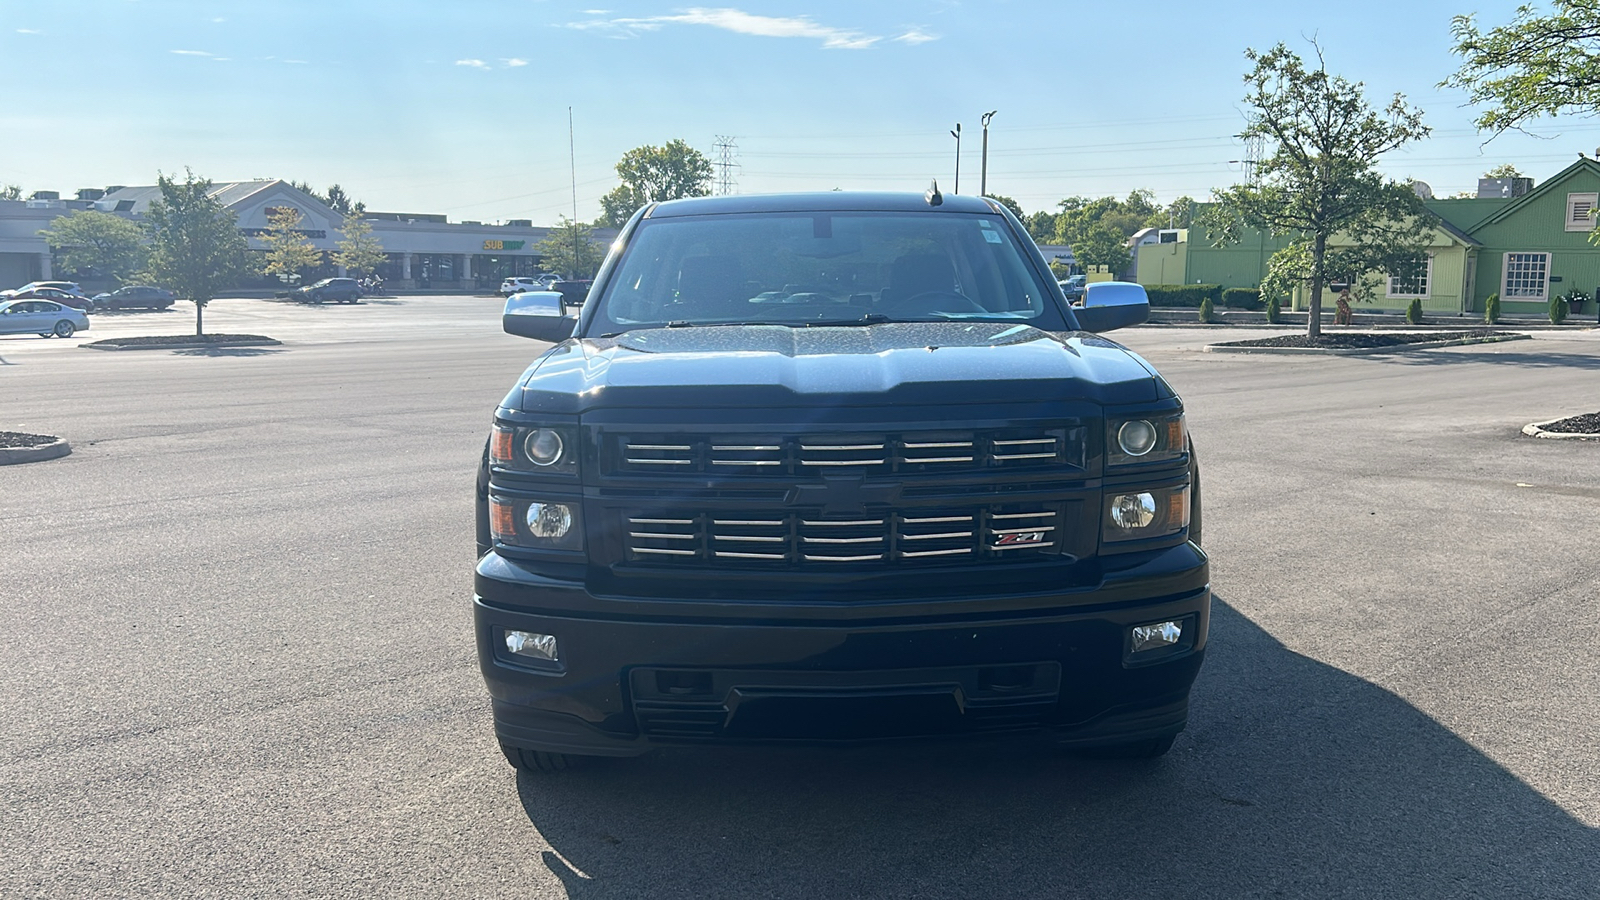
<point x="41" y="317"/>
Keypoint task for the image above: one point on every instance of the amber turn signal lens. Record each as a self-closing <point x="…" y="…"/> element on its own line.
<point x="1178" y="509"/>
<point x="502" y="445"/>
<point x="502" y="520"/>
<point x="1176" y="441"/>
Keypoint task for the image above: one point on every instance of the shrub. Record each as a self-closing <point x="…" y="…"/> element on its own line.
<point x="1189" y="295"/>
<point x="1241" y="298"/>
<point x="1208" y="313"/>
<point x="1491" y="309"/>
<point x="1414" y="312"/>
<point x="1558" y="310"/>
<point x="1272" y="310"/>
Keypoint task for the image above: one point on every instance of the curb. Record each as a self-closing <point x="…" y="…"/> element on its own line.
<point x="194" y="345"/>
<point x="1362" y="351"/>
<point x="1536" y="429"/>
<point x="14" y="455"/>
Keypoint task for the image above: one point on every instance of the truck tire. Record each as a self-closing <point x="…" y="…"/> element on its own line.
<point x="534" y="761"/>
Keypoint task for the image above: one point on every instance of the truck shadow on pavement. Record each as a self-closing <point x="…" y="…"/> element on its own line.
<point x="1294" y="779"/>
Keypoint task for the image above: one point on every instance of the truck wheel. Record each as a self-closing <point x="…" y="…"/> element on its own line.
<point x="524" y="760"/>
<point x="1150" y="748"/>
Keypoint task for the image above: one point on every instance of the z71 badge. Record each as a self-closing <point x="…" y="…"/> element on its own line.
<point x="1020" y="539"/>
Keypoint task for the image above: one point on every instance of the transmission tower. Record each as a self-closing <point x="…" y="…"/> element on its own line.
<point x="727" y="150"/>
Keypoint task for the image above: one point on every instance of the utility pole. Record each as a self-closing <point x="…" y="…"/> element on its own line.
<point x="957" y="135"/>
<point x="572" y="156"/>
<point x="983" y="179"/>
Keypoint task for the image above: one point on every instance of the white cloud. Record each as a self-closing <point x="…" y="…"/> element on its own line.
<point x="221" y="59"/>
<point x="514" y="63"/>
<point x="916" y="36"/>
<point x="739" y="22"/>
<point x="218" y="20"/>
<point x="190" y="52"/>
<point x="472" y="63"/>
<point x="29" y="31"/>
<point x="296" y="62"/>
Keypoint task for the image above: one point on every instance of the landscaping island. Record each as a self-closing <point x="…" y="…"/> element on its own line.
<point x="21" y="447"/>
<point x="1366" y="341"/>
<point x="182" y="341"/>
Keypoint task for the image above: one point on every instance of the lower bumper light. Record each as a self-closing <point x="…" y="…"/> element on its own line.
<point x="1156" y="636"/>
<point x="532" y="645"/>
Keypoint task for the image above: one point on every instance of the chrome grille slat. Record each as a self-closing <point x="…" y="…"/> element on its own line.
<point x="663" y="537"/>
<point x="824" y="523"/>
<point x="841" y="462"/>
<point x="937" y="445"/>
<point x="661" y="462"/>
<point x="936" y="519"/>
<point x="1031" y="529"/>
<point x="1028" y="515"/>
<point x="919" y="554"/>
<point x="935" y="537"/>
<point x="661" y="551"/>
<point x="660" y="446"/>
<point x="1025" y="456"/>
<point x="860" y="540"/>
<point x="747" y="462"/>
<point x="937" y="459"/>
<point x="749" y="538"/>
<point x="729" y="554"/>
<point x="766" y="456"/>
<point x="843" y="558"/>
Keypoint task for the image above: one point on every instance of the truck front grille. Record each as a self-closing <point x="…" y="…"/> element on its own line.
<point x="812" y="456"/>
<point x="785" y="538"/>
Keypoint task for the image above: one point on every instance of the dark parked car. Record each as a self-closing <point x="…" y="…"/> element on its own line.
<point x="135" y="295"/>
<point x="54" y="295"/>
<point x="572" y="292"/>
<point x="829" y="468"/>
<point x="340" y="290"/>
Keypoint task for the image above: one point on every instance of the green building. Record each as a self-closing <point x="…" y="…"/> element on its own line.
<point x="1526" y="248"/>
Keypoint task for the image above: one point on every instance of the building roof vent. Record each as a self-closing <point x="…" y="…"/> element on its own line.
<point x="519" y="223"/>
<point x="45" y="195"/>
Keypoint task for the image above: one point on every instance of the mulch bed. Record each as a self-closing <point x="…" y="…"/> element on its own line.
<point x="22" y="440"/>
<point x="1354" y="341"/>
<point x="161" y="339"/>
<point x="1588" y="423"/>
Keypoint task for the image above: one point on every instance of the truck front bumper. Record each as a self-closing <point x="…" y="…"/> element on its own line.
<point x="1064" y="666"/>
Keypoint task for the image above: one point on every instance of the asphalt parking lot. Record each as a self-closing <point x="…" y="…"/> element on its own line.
<point x="238" y="656"/>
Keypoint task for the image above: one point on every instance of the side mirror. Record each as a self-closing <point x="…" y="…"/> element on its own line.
<point x="1109" y="305"/>
<point x="538" y="315"/>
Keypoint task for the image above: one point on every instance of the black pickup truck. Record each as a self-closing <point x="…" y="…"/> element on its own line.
<point x="830" y="468"/>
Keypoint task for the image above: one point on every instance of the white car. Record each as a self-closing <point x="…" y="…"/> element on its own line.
<point x="519" y="284"/>
<point x="41" y="317"/>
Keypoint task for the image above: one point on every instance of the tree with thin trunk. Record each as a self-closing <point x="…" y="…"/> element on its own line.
<point x="570" y="248"/>
<point x="359" y="252"/>
<point x="289" y="251"/>
<point x="1318" y="183"/>
<point x="654" y="174"/>
<point x="196" y="249"/>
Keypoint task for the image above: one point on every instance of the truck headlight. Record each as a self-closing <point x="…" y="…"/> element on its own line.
<point x="1146" y="439"/>
<point x="1137" y="515"/>
<point x="545" y="449"/>
<point x="541" y="524"/>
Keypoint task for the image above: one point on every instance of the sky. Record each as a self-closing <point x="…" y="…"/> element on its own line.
<point x="462" y="108"/>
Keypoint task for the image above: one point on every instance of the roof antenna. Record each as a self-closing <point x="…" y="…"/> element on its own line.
<point x="933" y="196"/>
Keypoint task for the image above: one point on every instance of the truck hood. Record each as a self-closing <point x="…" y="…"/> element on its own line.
<point x="767" y="366"/>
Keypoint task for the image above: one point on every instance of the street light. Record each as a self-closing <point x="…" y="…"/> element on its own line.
<point x="957" y="135"/>
<point x="983" y="179"/>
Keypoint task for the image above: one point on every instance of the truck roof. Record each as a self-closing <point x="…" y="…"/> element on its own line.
<point x="818" y="201"/>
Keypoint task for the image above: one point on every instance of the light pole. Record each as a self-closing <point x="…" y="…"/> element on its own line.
<point x="983" y="179"/>
<point x="957" y="135"/>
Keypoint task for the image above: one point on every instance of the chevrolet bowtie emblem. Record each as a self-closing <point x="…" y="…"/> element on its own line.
<point x="845" y="494"/>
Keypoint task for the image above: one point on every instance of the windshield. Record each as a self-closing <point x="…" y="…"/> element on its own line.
<point x="822" y="268"/>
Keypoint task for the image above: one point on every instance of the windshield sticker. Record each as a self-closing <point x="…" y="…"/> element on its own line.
<point x="993" y="237"/>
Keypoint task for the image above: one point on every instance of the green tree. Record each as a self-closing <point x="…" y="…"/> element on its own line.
<point x="1535" y="66"/>
<point x="109" y="244"/>
<point x="341" y="203"/>
<point x="1319" y="178"/>
<point x="289" y="251"/>
<point x="196" y="249"/>
<point x="1504" y="170"/>
<point x="653" y="174"/>
<point x="11" y="192"/>
<point x="1008" y="203"/>
<point x="1042" y="225"/>
<point x="570" y="248"/>
<point x="359" y="252"/>
<point x="1101" y="244"/>
<point x="1177" y="214"/>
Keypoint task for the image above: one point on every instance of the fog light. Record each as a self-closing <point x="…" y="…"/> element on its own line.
<point x="1131" y="511"/>
<point x="550" y="521"/>
<point x="1154" y="637"/>
<point x="533" y="645"/>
